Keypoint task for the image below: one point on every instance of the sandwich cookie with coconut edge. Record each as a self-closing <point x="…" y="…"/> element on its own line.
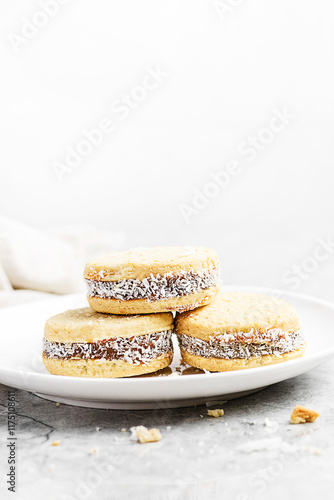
<point x="147" y="280"/>
<point x="240" y="330"/>
<point x="84" y="343"/>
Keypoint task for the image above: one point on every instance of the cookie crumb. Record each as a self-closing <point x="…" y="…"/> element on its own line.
<point x="219" y="412"/>
<point x="123" y="430"/>
<point x="145" y="435"/>
<point x="55" y="443"/>
<point x="57" y="404"/>
<point x="301" y="415"/>
<point x="94" y="451"/>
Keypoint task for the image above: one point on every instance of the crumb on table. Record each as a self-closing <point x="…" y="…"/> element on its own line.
<point x="145" y="435"/>
<point x="219" y="412"/>
<point x="301" y="415"/>
<point x="55" y="443"/>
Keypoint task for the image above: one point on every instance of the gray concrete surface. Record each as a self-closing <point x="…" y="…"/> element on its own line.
<point x="252" y="452"/>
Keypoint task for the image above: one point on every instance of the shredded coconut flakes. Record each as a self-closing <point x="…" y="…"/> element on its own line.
<point x="154" y="287"/>
<point x="231" y="350"/>
<point x="134" y="350"/>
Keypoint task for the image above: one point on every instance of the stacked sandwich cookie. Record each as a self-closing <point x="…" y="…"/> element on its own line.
<point x="84" y="343"/>
<point x="149" y="280"/>
<point x="238" y="331"/>
<point x="117" y="337"/>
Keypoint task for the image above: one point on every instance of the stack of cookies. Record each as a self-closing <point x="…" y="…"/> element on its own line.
<point x="127" y="330"/>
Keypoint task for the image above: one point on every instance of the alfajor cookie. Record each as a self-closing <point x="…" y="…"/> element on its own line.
<point x="238" y="331"/>
<point x="146" y="280"/>
<point x="84" y="343"/>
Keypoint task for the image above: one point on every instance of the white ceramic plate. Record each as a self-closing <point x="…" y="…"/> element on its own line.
<point x="21" y="366"/>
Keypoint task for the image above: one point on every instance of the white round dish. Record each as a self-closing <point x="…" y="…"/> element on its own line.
<point x="21" y="366"/>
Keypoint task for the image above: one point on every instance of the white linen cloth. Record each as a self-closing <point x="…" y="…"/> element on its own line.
<point x="34" y="263"/>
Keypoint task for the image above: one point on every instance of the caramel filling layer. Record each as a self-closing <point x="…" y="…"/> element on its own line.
<point x="154" y="287"/>
<point x="135" y="350"/>
<point x="240" y="350"/>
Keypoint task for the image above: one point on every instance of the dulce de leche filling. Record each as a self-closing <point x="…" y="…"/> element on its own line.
<point x="134" y="350"/>
<point x="280" y="343"/>
<point x="154" y="287"/>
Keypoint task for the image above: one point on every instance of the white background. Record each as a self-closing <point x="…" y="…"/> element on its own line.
<point x="227" y="74"/>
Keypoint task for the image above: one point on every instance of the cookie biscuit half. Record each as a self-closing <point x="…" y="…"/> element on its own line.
<point x="146" y="280"/>
<point x="240" y="330"/>
<point x="84" y="343"/>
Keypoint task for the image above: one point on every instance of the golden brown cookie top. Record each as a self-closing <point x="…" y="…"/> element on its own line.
<point x="233" y="312"/>
<point x="140" y="263"/>
<point x="85" y="325"/>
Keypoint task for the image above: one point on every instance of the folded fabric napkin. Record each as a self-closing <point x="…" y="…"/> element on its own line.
<point x="49" y="261"/>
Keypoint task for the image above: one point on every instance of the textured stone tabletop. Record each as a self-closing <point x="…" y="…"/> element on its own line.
<point x="252" y="452"/>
